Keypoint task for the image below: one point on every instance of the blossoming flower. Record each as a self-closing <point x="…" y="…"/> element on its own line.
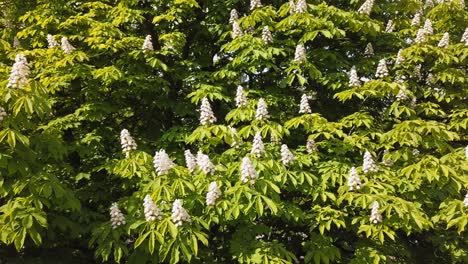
<point x="162" y="163"/>
<point x="213" y="194"/>
<point x="255" y="4"/>
<point x="366" y="7"/>
<point x="2" y="113"/>
<point x="66" y="46"/>
<point x="420" y="36"/>
<point x="286" y="155"/>
<point x="368" y="164"/>
<point x="234" y="16"/>
<point x="51" y="42"/>
<point x="152" y="212"/>
<point x="304" y="107"/>
<point x="354" y="182"/>
<point x="375" y="215"/>
<point x="444" y="41"/>
<point x="241" y="98"/>
<point x="382" y="70"/>
<point x="428" y="27"/>
<point x="236" y="30"/>
<point x="248" y="173"/>
<point x="416" y="19"/>
<point x="179" y="214"/>
<point x="266" y="35"/>
<point x="116" y="217"/>
<point x="205" y="164"/>
<point x="400" y="59"/>
<point x="127" y="142"/>
<point x="206" y="114"/>
<point x="390" y="26"/>
<point x="300" y="55"/>
<point x="464" y="37"/>
<point x="353" y="78"/>
<point x="465" y="201"/>
<point x="257" y="146"/>
<point x="311" y="146"/>
<point x="369" y="50"/>
<point x="301" y="7"/>
<point x="190" y="161"/>
<point x="262" y="110"/>
<point x="19" y="73"/>
<point x="147" y="44"/>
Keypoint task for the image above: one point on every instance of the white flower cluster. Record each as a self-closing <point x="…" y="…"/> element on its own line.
<point x="304" y="108"/>
<point x="368" y="164"/>
<point x="152" y="212"/>
<point x="402" y="96"/>
<point x="465" y="201"/>
<point x="206" y="114"/>
<point x="354" y="182"/>
<point x="375" y="215"/>
<point x="390" y="26"/>
<point x="162" y="163"/>
<point x="205" y="164"/>
<point x="366" y="8"/>
<point x="213" y="194"/>
<point x="413" y="104"/>
<point x="2" y="113"/>
<point x="255" y="4"/>
<point x="51" y="42"/>
<point x="190" y="161"/>
<point x="236" y="30"/>
<point x="382" y="70"/>
<point x="300" y="7"/>
<point x="241" y="98"/>
<point x="116" y="217"/>
<point x="257" y="145"/>
<point x="292" y="7"/>
<point x="234" y="16"/>
<point x="300" y="55"/>
<point x="369" y="50"/>
<point x="444" y="41"/>
<point x="66" y="46"/>
<point x="466" y="152"/>
<point x="430" y="79"/>
<point x="179" y="214"/>
<point x="353" y="78"/>
<point x="417" y="71"/>
<point x="416" y="20"/>
<point x="399" y="59"/>
<point x="420" y="36"/>
<point x="428" y="27"/>
<point x="127" y="142"/>
<point x="147" y="44"/>
<point x="286" y="155"/>
<point x="248" y="173"/>
<point x="19" y="72"/>
<point x="311" y="146"/>
<point x="266" y="35"/>
<point x="262" y="110"/>
<point x="429" y="4"/>
<point x="464" y="37"/>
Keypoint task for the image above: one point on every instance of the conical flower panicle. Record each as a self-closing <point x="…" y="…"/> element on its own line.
<point x="248" y="173"/>
<point x="116" y="217"/>
<point x="236" y="30"/>
<point x="465" y="201"/>
<point x="400" y="59"/>
<point x="262" y="110"/>
<point x="2" y="113"/>
<point x="464" y="37"/>
<point x="368" y="164"/>
<point x="353" y="78"/>
<point x="255" y="4"/>
<point x="127" y="142"/>
<point x="429" y="4"/>
<point x="301" y="7"/>
<point x="213" y="194"/>
<point x="420" y="36"/>
<point x="354" y="182"/>
<point x="66" y="46"/>
<point x="428" y="27"/>
<point x="366" y="8"/>
<point x="258" y="149"/>
<point x="382" y="70"/>
<point x="304" y="107"/>
<point x="205" y="164"/>
<point x="375" y="217"/>
<point x="369" y="50"/>
<point x="300" y="55"/>
<point x="19" y="73"/>
<point x="444" y="41"/>
<point x="234" y="16"/>
<point x="466" y="152"/>
<point x="416" y="21"/>
<point x="390" y="26"/>
<point x="292" y="7"/>
<point x="286" y="155"/>
<point x="147" y="44"/>
<point x="51" y="42"/>
<point x="417" y="72"/>
<point x="179" y="214"/>
<point x="162" y="163"/>
<point x="430" y="79"/>
<point x="241" y="98"/>
<point x="266" y="35"/>
<point x="311" y="146"/>
<point x="152" y="212"/>
<point x="207" y="116"/>
<point x="190" y="161"/>
<point x="402" y="96"/>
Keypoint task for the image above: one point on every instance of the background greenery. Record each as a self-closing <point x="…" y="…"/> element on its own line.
<point x="61" y="165"/>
